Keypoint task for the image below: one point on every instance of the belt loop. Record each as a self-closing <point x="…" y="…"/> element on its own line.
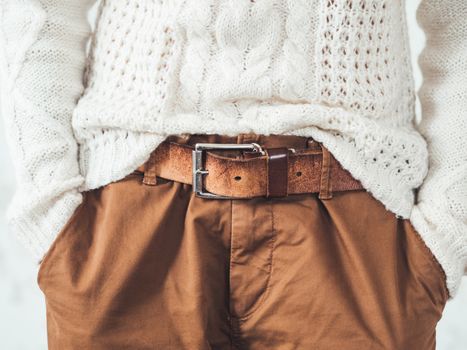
<point x="325" y="186"/>
<point x="150" y="177"/>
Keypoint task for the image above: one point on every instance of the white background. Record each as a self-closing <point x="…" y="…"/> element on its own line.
<point x="22" y="310"/>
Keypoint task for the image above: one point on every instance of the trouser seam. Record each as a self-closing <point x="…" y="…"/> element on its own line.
<point x="233" y="333"/>
<point x="270" y="265"/>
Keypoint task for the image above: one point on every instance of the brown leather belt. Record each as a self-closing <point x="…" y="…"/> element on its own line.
<point x="276" y="172"/>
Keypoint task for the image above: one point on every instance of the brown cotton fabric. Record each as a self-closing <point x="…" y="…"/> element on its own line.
<point x="155" y="267"/>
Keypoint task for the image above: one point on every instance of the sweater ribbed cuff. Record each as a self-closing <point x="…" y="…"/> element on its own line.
<point x="37" y="231"/>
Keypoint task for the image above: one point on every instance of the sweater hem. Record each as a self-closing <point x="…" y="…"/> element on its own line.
<point x="113" y="155"/>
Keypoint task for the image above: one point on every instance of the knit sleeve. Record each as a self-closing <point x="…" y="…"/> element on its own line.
<point x="440" y="214"/>
<point x="42" y="58"/>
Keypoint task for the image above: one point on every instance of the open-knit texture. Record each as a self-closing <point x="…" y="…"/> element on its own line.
<point x="337" y="71"/>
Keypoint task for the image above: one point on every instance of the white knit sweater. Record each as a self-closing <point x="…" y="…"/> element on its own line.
<point x="338" y="71"/>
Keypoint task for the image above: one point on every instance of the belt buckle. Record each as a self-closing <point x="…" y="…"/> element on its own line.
<point x="199" y="172"/>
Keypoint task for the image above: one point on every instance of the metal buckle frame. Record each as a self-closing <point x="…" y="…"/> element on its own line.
<point x="199" y="172"/>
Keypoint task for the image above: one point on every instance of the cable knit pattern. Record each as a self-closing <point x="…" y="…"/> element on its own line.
<point x="295" y="78"/>
<point x="198" y="53"/>
<point x="337" y="71"/>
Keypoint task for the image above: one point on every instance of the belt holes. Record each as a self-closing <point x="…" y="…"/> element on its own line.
<point x="298" y="173"/>
<point x="237" y="178"/>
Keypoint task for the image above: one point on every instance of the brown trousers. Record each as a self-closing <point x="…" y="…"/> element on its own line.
<point x="155" y="267"/>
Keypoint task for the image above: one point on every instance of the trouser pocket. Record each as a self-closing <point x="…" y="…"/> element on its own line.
<point x="59" y="244"/>
<point x="424" y="263"/>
